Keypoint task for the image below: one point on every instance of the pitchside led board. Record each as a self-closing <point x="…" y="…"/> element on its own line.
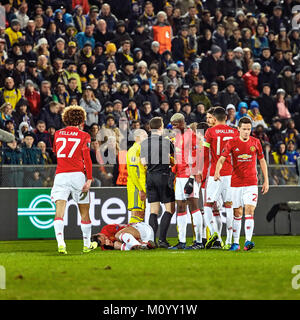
<point x="36" y="212"/>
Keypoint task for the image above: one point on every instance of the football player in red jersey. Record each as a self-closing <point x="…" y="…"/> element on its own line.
<point x="216" y="138"/>
<point x="133" y="236"/>
<point x="187" y="175"/>
<point x="73" y="174"/>
<point x="244" y="151"/>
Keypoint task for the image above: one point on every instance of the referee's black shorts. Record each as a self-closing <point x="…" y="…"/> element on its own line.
<point x="158" y="188"/>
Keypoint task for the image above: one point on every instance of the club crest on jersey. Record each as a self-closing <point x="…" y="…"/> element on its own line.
<point x="252" y="148"/>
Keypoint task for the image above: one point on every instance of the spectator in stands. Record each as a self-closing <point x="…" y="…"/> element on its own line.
<point x="22" y="114"/>
<point x="46" y="156"/>
<point x="164" y="112"/>
<point x="12" y="33"/>
<point x="42" y="135"/>
<point x="242" y="110"/>
<point x="10" y="93"/>
<point x="282" y="105"/>
<point x="231" y="116"/>
<point x="132" y="112"/>
<point x="259" y="41"/>
<point x="198" y="95"/>
<point x="228" y="95"/>
<point x="279" y="156"/>
<point x="251" y="80"/>
<point x="276" y="132"/>
<point x="291" y="133"/>
<point x="51" y="116"/>
<point x="33" y="98"/>
<point x="286" y="81"/>
<point x="87" y="36"/>
<point x="91" y="105"/>
<point x="146" y="94"/>
<point x="146" y="112"/>
<point x="291" y="152"/>
<point x="255" y="115"/>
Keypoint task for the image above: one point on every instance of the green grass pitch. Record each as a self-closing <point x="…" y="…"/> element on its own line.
<point x="35" y="271"/>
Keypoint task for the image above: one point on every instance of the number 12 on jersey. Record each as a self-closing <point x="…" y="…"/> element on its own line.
<point x="64" y="141"/>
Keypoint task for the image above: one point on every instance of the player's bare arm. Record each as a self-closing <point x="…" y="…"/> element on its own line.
<point x="87" y="185"/>
<point x="264" y="169"/>
<point x="219" y="167"/>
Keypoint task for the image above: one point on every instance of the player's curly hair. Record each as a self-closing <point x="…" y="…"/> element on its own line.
<point x="73" y="116"/>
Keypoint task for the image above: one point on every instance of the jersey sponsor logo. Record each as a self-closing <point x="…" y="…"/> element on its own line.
<point x="245" y="156"/>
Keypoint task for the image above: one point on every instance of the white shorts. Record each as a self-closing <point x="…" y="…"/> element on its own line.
<point x="242" y="196"/>
<point x="218" y="190"/>
<point x="179" y="189"/>
<point x="67" y="183"/>
<point x="145" y="231"/>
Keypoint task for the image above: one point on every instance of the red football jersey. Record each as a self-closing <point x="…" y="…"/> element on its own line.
<point x="110" y="230"/>
<point x="72" y="148"/>
<point x="244" y="158"/>
<point x="186" y="148"/>
<point x="217" y="138"/>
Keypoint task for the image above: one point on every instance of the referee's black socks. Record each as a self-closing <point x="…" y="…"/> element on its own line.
<point x="153" y="223"/>
<point x="164" y="225"/>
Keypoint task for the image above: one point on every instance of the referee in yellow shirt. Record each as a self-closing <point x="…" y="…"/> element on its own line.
<point x="136" y="182"/>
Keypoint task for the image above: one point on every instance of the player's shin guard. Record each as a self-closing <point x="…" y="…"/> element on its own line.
<point x="249" y="226"/>
<point x="208" y="218"/>
<point x="129" y="241"/>
<point x="181" y="225"/>
<point x="197" y="219"/>
<point x="59" y="231"/>
<point x="153" y="223"/>
<point x="237" y="223"/>
<point x="229" y="224"/>
<point x="86" y="228"/>
<point x="164" y="225"/>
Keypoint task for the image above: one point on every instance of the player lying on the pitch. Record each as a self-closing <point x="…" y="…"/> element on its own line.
<point x="133" y="236"/>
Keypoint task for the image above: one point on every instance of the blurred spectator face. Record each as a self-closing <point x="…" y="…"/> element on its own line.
<point x="184" y="33"/>
<point x="17" y="50"/>
<point x="104" y="87"/>
<point x="247" y="34"/>
<point x="199" y="89"/>
<point x="260" y="31"/>
<point x="277" y="12"/>
<point x="94" y="145"/>
<point x="110" y="122"/>
<point x="139" y="55"/>
<point x="28" y="141"/>
<point x="79" y="10"/>
<point x="54" y="108"/>
<point x="39" y="22"/>
<point x="87" y="50"/>
<point x="255" y="111"/>
<point x="30" y="88"/>
<point x="53" y="27"/>
<point x="279" y="55"/>
<point x="271" y="37"/>
<point x="159" y="87"/>
<point x="22" y="90"/>
<point x="12" y="145"/>
<point x="231" y="88"/>
<point x="142" y="69"/>
<point x="41" y="127"/>
<point x="176" y="107"/>
<point x="164" y="106"/>
<point x="136" y="125"/>
<point x="231" y="113"/>
<point x="288" y="73"/>
<point x="221" y="31"/>
<point x="51" y="130"/>
<point x="288" y="55"/>
<point x="49" y="12"/>
<point x="60" y="45"/>
<point x="98" y="51"/>
<point x="214" y="89"/>
<point x="243" y="111"/>
<point x="10" y="126"/>
<point x="42" y="146"/>
<point x="201" y="108"/>
<point x="124" y="89"/>
<point x="39" y="11"/>
<point x="195" y="71"/>
<point x="59" y="15"/>
<point x="126" y="47"/>
<point x="93" y="83"/>
<point x="280" y="97"/>
<point x="23" y="109"/>
<point x="266" y="54"/>
<point x="187" y="109"/>
<point x="45" y="87"/>
<point x="146" y="87"/>
<point x="172" y="73"/>
<point x="291" y="124"/>
<point x="89" y="30"/>
<point x="282" y="148"/>
<point x="132" y="105"/>
<point x="16" y="27"/>
<point x="291" y="146"/>
<point x="9" y="83"/>
<point x="105" y="9"/>
<point x="118" y="107"/>
<point x="147" y="108"/>
<point x="230" y="55"/>
<point x="266" y="90"/>
<point x="135" y="87"/>
<point x="256" y="71"/>
<point x="101" y="25"/>
<point x="21" y="66"/>
<point x="61" y="88"/>
<point x="207" y="34"/>
<point x="129" y="69"/>
<point x="83" y="68"/>
<point x="237" y="34"/>
<point x="149" y="9"/>
<point x="192" y="12"/>
<point x="160" y="18"/>
<point x="109" y="109"/>
<point x="277" y="125"/>
<point x="23" y="8"/>
<point x="155" y="49"/>
<point x="9" y="66"/>
<point x="58" y="64"/>
<point x="2" y="46"/>
<point x="73" y="102"/>
<point x="111" y="67"/>
<point x="27" y="48"/>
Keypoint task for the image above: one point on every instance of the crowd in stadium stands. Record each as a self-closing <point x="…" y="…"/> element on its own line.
<point x="125" y="61"/>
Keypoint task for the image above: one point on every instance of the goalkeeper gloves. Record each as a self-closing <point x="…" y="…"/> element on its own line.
<point x="189" y="186"/>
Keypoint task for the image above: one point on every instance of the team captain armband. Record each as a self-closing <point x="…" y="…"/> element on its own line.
<point x="206" y="144"/>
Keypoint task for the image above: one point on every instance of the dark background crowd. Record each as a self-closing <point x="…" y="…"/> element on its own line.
<point x="126" y="61"/>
